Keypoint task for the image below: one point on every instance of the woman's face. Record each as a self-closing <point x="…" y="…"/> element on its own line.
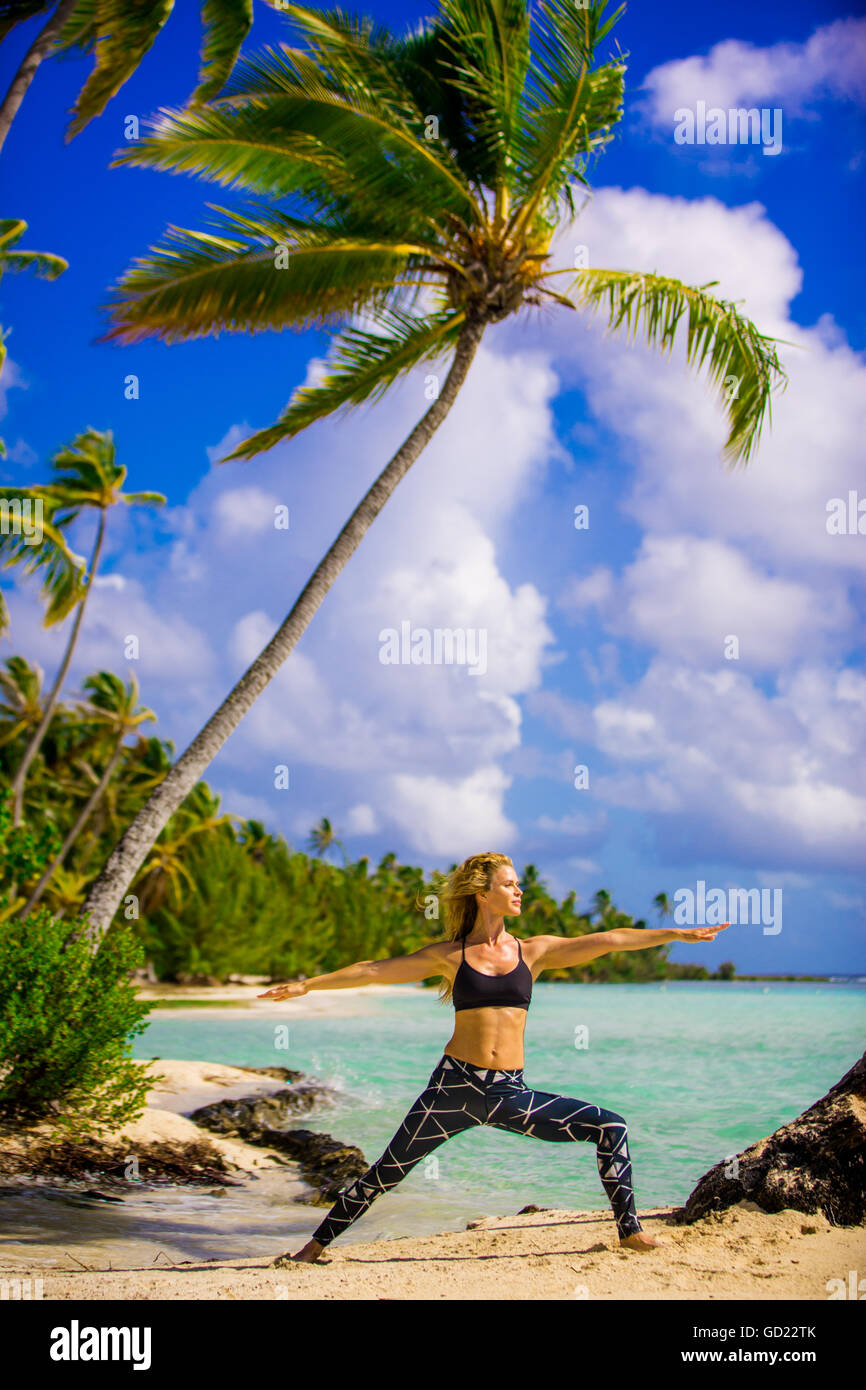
<point x="505" y="893"/>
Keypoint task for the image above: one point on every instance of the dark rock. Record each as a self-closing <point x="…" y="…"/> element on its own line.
<point x="326" y="1163"/>
<point x="250" y="1113"/>
<point x="525" y="1211"/>
<point x="281" y="1073"/>
<point x="816" y="1163"/>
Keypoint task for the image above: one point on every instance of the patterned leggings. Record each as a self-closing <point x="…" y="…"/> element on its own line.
<point x="458" y="1096"/>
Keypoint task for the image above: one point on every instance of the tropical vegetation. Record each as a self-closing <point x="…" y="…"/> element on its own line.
<point x="68" y="1014"/>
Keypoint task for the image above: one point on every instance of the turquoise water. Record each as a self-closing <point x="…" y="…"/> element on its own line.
<point x="699" y="1070"/>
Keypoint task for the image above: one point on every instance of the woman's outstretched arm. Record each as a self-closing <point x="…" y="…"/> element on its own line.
<point x="559" y="952"/>
<point x="395" y="970"/>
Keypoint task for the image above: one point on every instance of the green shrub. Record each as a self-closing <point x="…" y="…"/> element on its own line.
<point x="67" y="1012"/>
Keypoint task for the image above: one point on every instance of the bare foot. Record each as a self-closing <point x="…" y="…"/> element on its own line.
<point x="309" y="1255"/>
<point x="639" y="1240"/>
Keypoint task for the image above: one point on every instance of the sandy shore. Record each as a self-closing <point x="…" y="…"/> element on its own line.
<point x="342" y="1002"/>
<point x="741" y="1254"/>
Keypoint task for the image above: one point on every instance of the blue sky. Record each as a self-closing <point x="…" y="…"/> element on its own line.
<point x="605" y="645"/>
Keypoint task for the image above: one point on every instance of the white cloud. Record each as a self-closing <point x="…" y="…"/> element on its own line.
<point x="174" y="654"/>
<point x="847" y="902"/>
<point x="585" y="866"/>
<point x="672" y="426"/>
<point x="454" y="818"/>
<point x="10" y="377"/>
<point x="244" y="511"/>
<point x="687" y="597"/>
<point x="21" y="452"/>
<point x="830" y="64"/>
<point x="246" y="807"/>
<point x="769" y="779"/>
<point x="361" y="820"/>
<point x="566" y="825"/>
<point x="431" y="559"/>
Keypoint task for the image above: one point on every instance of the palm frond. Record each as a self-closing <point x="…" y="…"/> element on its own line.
<point x="347" y="88"/>
<point x="149" y="499"/>
<point x="123" y="34"/>
<point x="346" y="58"/>
<point x="43" y="263"/>
<point x="80" y="32"/>
<point x="569" y="106"/>
<point x="207" y="282"/>
<point x="490" y="56"/>
<point x="312" y="148"/>
<point x="736" y="355"/>
<point x="362" y="367"/>
<point x="12" y="229"/>
<point x="59" y="568"/>
<point x="227" y="23"/>
<point x="14" y="12"/>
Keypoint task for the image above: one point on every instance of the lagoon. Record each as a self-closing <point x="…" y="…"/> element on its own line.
<point x="699" y="1070"/>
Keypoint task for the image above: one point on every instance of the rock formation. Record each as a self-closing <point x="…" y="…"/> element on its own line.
<point x="816" y="1163"/>
<point x="326" y="1163"/>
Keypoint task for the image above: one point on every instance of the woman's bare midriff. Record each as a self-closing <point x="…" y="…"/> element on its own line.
<point x="488" y="1037"/>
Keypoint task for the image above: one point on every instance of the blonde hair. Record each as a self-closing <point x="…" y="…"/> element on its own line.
<point x="456" y="894"/>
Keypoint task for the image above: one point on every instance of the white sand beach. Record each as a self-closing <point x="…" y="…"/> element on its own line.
<point x="741" y="1254"/>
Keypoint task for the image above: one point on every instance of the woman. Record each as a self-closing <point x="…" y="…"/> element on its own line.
<point x="479" y="1078"/>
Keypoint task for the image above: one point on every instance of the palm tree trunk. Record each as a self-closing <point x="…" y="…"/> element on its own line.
<point x="126" y="857"/>
<point x="83" y="817"/>
<point x="29" y="64"/>
<point x="36" y="742"/>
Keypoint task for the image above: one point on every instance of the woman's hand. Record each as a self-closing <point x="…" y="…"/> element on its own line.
<point x="292" y="989"/>
<point x="699" y="933"/>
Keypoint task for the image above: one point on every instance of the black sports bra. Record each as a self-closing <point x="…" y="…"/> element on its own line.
<point x="474" y="990"/>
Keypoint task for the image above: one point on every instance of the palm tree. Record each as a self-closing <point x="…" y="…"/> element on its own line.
<point x="20" y="698"/>
<point x="42" y="263"/>
<point x="662" y="904"/>
<point x="363" y="203"/>
<point x="67" y="891"/>
<point x="256" y="840"/>
<point x="114" y="706"/>
<point x="120" y="32"/>
<point x="41" y="546"/>
<point x="323" y="837"/>
<point x="90" y="478"/>
<point x="602" y="906"/>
